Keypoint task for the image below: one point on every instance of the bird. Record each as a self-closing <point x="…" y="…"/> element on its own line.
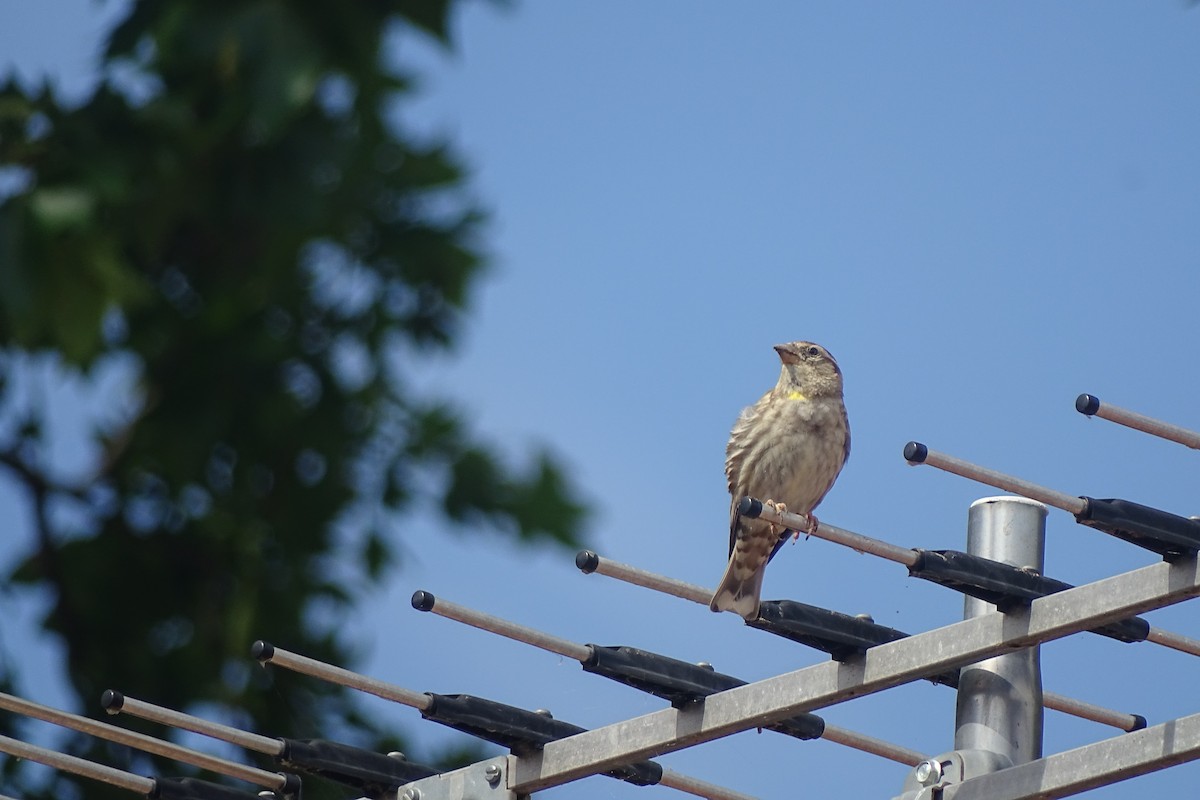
<point x="786" y="450"/>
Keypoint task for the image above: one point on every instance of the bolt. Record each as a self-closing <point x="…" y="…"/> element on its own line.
<point x="928" y="772"/>
<point x="396" y="754"/>
<point x="864" y="617"/>
<point x="705" y="665"/>
<point x="545" y="712"/>
<point x="411" y="794"/>
<point x="492" y="773"/>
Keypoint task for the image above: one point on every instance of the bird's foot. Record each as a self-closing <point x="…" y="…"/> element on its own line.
<point x="780" y="508"/>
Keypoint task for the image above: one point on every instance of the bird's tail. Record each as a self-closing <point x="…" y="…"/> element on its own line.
<point x="738" y="593"/>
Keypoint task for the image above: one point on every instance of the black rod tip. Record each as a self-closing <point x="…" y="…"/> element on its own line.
<point x="262" y="651"/>
<point x="291" y="788"/>
<point x="587" y="561"/>
<point x="915" y="453"/>
<point x="112" y="701"/>
<point x="749" y="507"/>
<point x="423" y="600"/>
<point x="1139" y="722"/>
<point x="1087" y="404"/>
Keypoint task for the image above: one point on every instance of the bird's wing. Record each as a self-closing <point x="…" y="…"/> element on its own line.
<point x="739" y="446"/>
<point x="846" y="426"/>
<point x="741" y="443"/>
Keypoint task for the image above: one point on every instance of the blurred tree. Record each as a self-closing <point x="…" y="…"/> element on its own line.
<point x="237" y="220"/>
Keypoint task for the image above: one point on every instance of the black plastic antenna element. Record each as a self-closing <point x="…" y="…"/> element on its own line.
<point x="840" y="635"/>
<point x="1169" y="535"/>
<point x="372" y="774"/>
<point x="195" y="789"/>
<point x="522" y="731"/>
<point x="1006" y="586"/>
<point x="681" y="682"/>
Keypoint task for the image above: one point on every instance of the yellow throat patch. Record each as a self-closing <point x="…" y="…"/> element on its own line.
<point x="796" y="395"/>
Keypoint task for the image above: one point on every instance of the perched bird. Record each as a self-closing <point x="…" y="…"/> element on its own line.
<point x="786" y="450"/>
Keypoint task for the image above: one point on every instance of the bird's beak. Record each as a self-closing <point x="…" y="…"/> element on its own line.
<point x="787" y="354"/>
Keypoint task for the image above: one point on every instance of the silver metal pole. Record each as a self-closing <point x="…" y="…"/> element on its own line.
<point x="1000" y="699"/>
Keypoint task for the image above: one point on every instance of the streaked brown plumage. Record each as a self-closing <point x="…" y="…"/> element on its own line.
<point x="787" y="449"/>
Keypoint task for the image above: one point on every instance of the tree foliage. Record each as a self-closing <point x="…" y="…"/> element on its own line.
<point x="237" y="217"/>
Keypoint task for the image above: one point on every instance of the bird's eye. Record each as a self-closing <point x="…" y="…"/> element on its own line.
<point x="812" y="351"/>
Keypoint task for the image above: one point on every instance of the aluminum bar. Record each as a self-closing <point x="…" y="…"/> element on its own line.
<point x="882" y="667"/>
<point x="1174" y="641"/>
<point x="77" y="766"/>
<point x="869" y="744"/>
<point x="590" y="562"/>
<point x="424" y="601"/>
<point x="140" y="741"/>
<point x="695" y="786"/>
<point x="916" y="453"/>
<point x="117" y="703"/>
<point x="1090" y="405"/>
<point x="1085" y="710"/>
<point x="267" y="653"/>
<point x="1088" y="767"/>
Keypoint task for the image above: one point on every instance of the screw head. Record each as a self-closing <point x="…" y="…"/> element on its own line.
<point x="928" y="772"/>
<point x="492" y="773"/>
<point x="411" y="794"/>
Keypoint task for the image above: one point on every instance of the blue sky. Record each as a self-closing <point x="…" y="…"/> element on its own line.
<point x="981" y="209"/>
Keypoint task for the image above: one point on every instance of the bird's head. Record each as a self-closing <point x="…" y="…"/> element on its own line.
<point x="809" y="369"/>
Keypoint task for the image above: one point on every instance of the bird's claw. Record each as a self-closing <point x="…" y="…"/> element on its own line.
<point x="810" y="529"/>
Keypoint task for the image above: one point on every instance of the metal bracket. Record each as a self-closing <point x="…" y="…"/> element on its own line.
<point x="926" y="780"/>
<point x="485" y="780"/>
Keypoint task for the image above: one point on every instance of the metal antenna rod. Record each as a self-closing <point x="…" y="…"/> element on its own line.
<point x="115" y="702"/>
<point x="694" y="786"/>
<point x="77" y="766"/>
<point x="1175" y="641"/>
<point x="425" y="601"/>
<point x="1090" y="405"/>
<point x="266" y="653"/>
<point x="140" y="741"/>
<point x="916" y="453"/>
<point x="589" y="561"/>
